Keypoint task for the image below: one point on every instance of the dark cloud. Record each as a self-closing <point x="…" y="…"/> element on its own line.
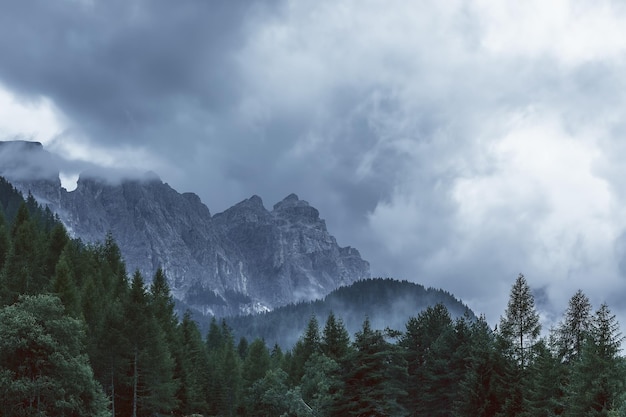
<point x="453" y="143"/>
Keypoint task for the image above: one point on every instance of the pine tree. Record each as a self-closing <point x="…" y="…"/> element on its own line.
<point x="544" y="385"/>
<point x="5" y="243"/>
<point x="520" y="325"/>
<point x="443" y="369"/>
<point x="598" y="377"/>
<point x="574" y="329"/>
<point x="152" y="386"/>
<point x="65" y="287"/>
<point x="192" y="369"/>
<point x="306" y="346"/>
<point x="23" y="273"/>
<point x="57" y="240"/>
<point x="256" y="363"/>
<point x="376" y="377"/>
<point x="420" y="335"/>
<point x="335" y="342"/>
<point x="229" y="379"/>
<point x="479" y="394"/>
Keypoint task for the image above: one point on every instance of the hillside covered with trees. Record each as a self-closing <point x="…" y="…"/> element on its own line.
<point x="388" y="303"/>
<point x="78" y="337"/>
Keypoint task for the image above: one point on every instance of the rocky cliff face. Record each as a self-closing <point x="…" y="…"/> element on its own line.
<point x="246" y="259"/>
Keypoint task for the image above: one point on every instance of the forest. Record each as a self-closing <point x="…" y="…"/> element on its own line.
<point x="78" y="337"/>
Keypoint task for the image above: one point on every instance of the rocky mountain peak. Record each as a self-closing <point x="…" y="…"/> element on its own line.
<point x="22" y="160"/>
<point x="246" y="259"/>
<point x="290" y="201"/>
<point x="296" y="211"/>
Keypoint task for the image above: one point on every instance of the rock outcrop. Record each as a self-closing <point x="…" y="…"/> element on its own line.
<point x="246" y="259"/>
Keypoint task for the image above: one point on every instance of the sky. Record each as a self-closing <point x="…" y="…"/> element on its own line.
<point x="454" y="143"/>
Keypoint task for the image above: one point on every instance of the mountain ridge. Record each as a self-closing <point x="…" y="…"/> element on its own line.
<point x="245" y="259"/>
<point x="386" y="302"/>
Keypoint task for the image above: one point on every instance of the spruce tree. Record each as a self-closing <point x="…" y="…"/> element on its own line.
<point x="478" y="393"/>
<point x="574" y="329"/>
<point x="520" y="325"/>
<point x="192" y="369"/>
<point x="229" y="380"/>
<point x="65" y="287"/>
<point x="420" y="335"/>
<point x="375" y="381"/>
<point x="256" y="363"/>
<point x="152" y="387"/>
<point x="597" y="379"/>
<point x="23" y="273"/>
<point x="335" y="342"/>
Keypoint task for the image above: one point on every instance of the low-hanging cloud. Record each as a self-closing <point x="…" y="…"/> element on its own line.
<point x="456" y="143"/>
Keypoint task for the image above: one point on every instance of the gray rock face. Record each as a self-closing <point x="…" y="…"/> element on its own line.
<point x="246" y="259"/>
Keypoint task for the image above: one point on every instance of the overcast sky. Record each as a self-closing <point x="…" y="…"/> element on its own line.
<point x="454" y="143"/>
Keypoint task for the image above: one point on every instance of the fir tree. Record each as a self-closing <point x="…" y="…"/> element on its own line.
<point x="520" y="325"/>
<point x="574" y="329"/>
<point x="335" y="342"/>
<point x="420" y="335"/>
<point x="597" y="378"/>
<point x="192" y="369"/>
<point x="374" y="383"/>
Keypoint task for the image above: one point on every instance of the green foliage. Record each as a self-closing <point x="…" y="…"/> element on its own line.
<point x="77" y="338"/>
<point x="574" y="329"/>
<point x="335" y="343"/>
<point x="598" y="377"/>
<point x="387" y="302"/>
<point x="44" y="369"/>
<point x="519" y="326"/>
<point x="375" y="380"/>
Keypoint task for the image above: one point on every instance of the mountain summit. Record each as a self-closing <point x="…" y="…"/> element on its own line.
<point x="246" y="259"/>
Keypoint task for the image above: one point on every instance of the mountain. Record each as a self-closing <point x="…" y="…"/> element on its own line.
<point x="388" y="303"/>
<point x="246" y="259"/>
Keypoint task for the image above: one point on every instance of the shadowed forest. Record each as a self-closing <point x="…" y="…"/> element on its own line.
<point x="79" y="338"/>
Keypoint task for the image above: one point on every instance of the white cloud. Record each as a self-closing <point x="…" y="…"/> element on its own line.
<point x="29" y="119"/>
<point x="571" y="31"/>
<point x="486" y="137"/>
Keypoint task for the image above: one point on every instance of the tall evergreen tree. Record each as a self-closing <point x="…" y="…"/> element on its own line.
<point x="5" y="243"/>
<point x="57" y="240"/>
<point x="444" y="367"/>
<point x="374" y="385"/>
<point x="479" y="394"/>
<point x="192" y="369"/>
<point x="544" y="385"/>
<point x="598" y="377"/>
<point x="335" y="342"/>
<point x="575" y="327"/>
<point x="23" y="273"/>
<point x="306" y="346"/>
<point x="520" y="325"/>
<point x="229" y="379"/>
<point x="152" y="386"/>
<point x="256" y="363"/>
<point x="65" y="287"/>
<point x="420" y="335"/>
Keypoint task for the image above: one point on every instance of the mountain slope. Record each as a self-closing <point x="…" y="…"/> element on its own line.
<point x="387" y="303"/>
<point x="246" y="259"/>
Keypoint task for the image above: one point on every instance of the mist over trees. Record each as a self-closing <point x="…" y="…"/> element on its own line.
<point x="80" y="337"/>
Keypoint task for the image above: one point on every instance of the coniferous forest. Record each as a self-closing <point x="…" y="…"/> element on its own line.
<point x="78" y="337"/>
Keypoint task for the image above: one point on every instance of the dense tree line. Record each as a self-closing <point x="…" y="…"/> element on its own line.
<point x="387" y="301"/>
<point x="79" y="337"/>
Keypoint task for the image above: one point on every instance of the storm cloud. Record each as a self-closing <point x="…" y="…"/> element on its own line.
<point x="454" y="143"/>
